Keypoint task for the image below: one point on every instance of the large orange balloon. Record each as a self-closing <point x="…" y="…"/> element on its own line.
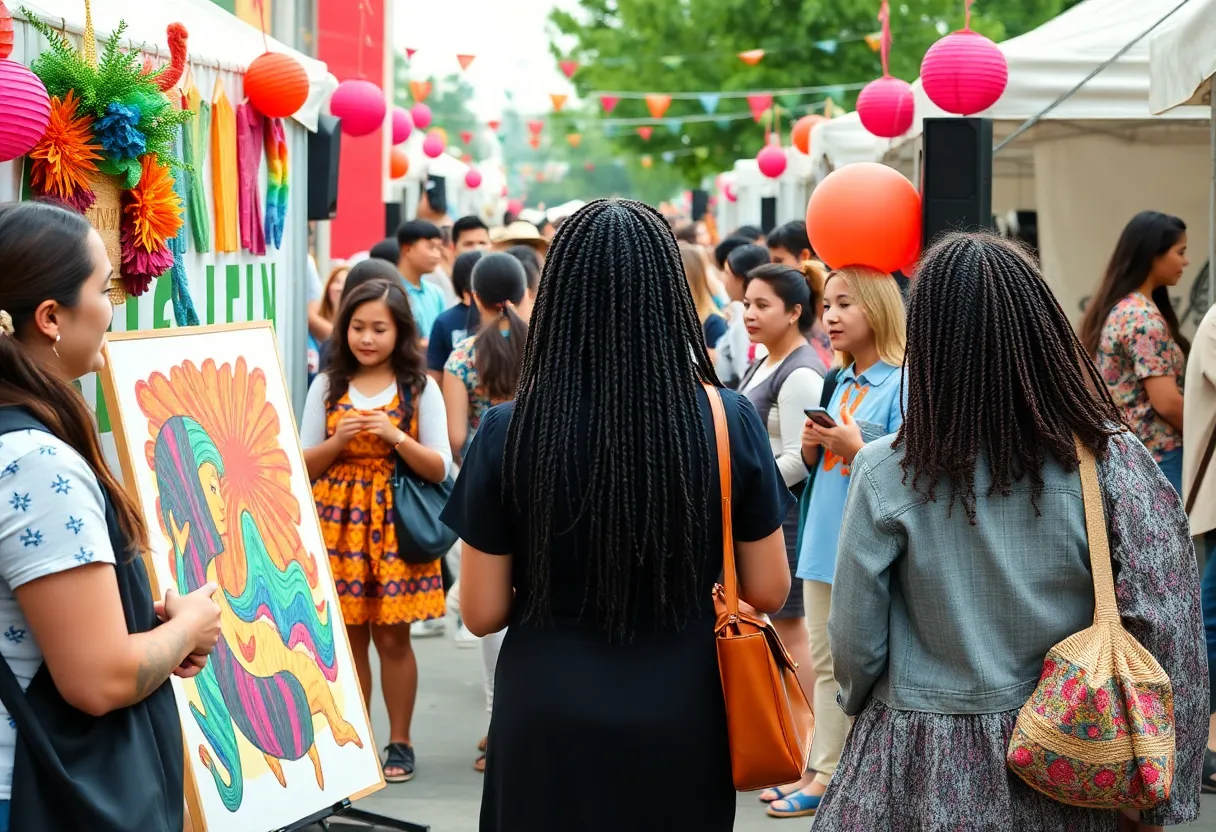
<point x="801" y="135"/>
<point x="398" y="163"/>
<point x="865" y="214"/>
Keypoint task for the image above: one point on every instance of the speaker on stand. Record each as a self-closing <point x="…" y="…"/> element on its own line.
<point x="324" y="152"/>
<point x="957" y="176"/>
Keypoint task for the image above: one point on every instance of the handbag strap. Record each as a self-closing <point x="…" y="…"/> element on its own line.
<point x="730" y="579"/>
<point x="1202" y="472"/>
<point x="1106" y="610"/>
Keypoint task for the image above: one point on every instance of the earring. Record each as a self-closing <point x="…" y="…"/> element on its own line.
<point x="55" y="347"/>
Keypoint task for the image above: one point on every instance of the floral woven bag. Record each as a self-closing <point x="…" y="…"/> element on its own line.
<point x="1098" y="731"/>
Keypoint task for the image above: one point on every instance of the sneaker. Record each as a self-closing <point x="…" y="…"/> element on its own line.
<point x="427" y="629"/>
<point x="464" y="638"/>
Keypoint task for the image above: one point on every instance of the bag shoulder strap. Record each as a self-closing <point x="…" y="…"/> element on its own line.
<point x="1106" y="610"/>
<point x="1202" y="472"/>
<point x="730" y="578"/>
<point x="829" y="386"/>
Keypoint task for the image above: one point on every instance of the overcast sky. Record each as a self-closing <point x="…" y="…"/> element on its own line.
<point x="507" y="36"/>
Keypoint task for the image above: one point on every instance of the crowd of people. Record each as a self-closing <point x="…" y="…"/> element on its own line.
<point x="906" y="509"/>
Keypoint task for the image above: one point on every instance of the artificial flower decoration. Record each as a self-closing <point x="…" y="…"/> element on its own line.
<point x="64" y="160"/>
<point x="118" y="132"/>
<point x="151" y="216"/>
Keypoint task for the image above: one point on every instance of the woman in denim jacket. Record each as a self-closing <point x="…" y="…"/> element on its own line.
<point x="964" y="557"/>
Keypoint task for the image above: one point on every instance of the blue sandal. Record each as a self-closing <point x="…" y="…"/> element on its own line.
<point x="801" y="805"/>
<point x="780" y="795"/>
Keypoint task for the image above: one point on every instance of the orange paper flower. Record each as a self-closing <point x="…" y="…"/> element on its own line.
<point x="153" y="208"/>
<point x="62" y="162"/>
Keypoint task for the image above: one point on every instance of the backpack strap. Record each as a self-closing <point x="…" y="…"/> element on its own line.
<point x="804" y="500"/>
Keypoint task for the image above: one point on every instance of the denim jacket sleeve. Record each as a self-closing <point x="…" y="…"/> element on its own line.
<point x="858" y="625"/>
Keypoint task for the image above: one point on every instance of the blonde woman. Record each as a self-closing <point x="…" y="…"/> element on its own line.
<point x="863" y="314"/>
<point x="713" y="325"/>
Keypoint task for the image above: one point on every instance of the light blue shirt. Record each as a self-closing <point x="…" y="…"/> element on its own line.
<point x="873" y="401"/>
<point x="427" y="303"/>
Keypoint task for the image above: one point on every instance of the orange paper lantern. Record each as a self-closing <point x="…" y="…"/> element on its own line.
<point x="865" y="214"/>
<point x="276" y="85"/>
<point x="398" y="163"/>
<point x="801" y="136"/>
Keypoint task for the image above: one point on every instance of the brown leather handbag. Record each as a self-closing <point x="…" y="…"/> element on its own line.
<point x="768" y="718"/>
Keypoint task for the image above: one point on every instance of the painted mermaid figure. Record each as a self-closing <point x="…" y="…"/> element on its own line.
<point x="271" y="669"/>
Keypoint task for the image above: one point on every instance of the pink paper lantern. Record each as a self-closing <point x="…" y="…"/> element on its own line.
<point x="514" y="206"/>
<point x="771" y="160"/>
<point x="421" y="114"/>
<point x="472" y="180"/>
<point x="361" y="106"/>
<point x="403" y="125"/>
<point x="433" y="145"/>
<point x="25" y="109"/>
<point x="728" y="190"/>
<point x="885" y="107"/>
<point x="964" y="73"/>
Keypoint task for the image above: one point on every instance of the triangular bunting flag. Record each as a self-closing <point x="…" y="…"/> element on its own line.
<point x="645" y="133"/>
<point x="534" y="140"/>
<point x="420" y="90"/>
<point x="574" y="139"/>
<point x="672" y="61"/>
<point x="559" y="101"/>
<point x="466" y="136"/>
<point x="410" y="53"/>
<point x="568" y="68"/>
<point x="610" y="130"/>
<point x="789" y="102"/>
<point x="758" y="104"/>
<point x="829" y="107"/>
<point x="646" y="161"/>
<point x="669" y="156"/>
<point x="701" y="152"/>
<point x="709" y="101"/>
<point x="675" y="125"/>
<point x="465" y="60"/>
<point x="609" y="102"/>
<point x="588" y="166"/>
<point x="466" y="158"/>
<point x="752" y="56"/>
<point x="534" y="127"/>
<point x="828" y="46"/>
<point x="723" y="123"/>
<point x="494" y="124"/>
<point x="874" y="41"/>
<point x="657" y="104"/>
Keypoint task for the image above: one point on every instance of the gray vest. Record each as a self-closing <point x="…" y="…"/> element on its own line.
<point x="764" y="395"/>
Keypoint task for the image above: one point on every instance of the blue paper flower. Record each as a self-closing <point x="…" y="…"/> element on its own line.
<point x="118" y="132"/>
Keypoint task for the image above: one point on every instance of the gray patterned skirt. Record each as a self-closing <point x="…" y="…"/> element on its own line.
<point x="907" y="771"/>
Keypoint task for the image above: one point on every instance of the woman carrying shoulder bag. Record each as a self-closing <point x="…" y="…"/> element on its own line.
<point x="94" y="742"/>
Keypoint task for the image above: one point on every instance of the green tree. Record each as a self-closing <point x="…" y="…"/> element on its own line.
<point x="691" y="46"/>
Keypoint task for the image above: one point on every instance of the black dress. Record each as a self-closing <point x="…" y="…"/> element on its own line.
<point x="594" y="734"/>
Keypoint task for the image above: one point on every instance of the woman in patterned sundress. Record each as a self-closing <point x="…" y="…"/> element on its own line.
<point x="1130" y="329"/>
<point x="374" y="404"/>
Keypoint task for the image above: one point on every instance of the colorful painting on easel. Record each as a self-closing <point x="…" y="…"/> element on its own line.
<point x="275" y="726"/>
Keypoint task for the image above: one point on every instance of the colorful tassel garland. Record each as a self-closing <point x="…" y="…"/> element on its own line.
<point x="276" y="181"/>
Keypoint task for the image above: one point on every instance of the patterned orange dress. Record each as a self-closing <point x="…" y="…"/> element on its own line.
<point x="355" y="504"/>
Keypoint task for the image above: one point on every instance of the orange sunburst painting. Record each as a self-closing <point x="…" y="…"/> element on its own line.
<point x="229" y="402"/>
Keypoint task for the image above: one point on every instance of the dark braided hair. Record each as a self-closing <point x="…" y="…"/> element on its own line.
<point x="994" y="369"/>
<point x="614" y="336"/>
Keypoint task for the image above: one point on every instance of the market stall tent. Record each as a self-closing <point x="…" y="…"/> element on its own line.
<point x="1092" y="162"/>
<point x="791" y="189"/>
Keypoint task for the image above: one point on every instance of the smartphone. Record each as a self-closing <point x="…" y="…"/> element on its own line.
<point x="820" y="417"/>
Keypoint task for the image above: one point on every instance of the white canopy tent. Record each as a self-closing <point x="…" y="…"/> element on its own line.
<point x="791" y="190"/>
<point x="842" y="141"/>
<point x="1089" y="163"/>
<point x="1182" y="64"/>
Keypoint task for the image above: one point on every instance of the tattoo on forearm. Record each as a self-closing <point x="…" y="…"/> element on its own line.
<point x="162" y="654"/>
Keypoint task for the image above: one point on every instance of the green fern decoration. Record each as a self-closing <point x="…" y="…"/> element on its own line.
<point x="61" y="67"/>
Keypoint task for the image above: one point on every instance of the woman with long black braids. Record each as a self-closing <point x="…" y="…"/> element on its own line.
<point x="590" y="516"/>
<point x="964" y="557"/>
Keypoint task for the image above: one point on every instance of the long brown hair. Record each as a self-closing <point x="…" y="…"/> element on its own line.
<point x="44" y="255"/>
<point x="406" y="358"/>
<point x="328" y="310"/>
<point x="698" y="281"/>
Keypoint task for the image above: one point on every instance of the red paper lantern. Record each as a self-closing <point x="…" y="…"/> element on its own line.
<point x="421" y="114"/>
<point x="771" y="160"/>
<point x="398" y="163"/>
<point x="433" y="146"/>
<point x="886" y="106"/>
<point x="865" y="214"/>
<point x="276" y="85"/>
<point x="6" y="32"/>
<point x="403" y="125"/>
<point x="361" y="106"/>
<point x="801" y="135"/>
<point x="466" y="136"/>
<point x="25" y="110"/>
<point x="472" y="180"/>
<point x="964" y="73"/>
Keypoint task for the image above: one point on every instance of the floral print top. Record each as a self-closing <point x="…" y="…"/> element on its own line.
<point x="1136" y="344"/>
<point x="462" y="365"/>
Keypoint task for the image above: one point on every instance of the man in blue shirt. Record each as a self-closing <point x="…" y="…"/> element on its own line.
<point x="457" y="323"/>
<point x="421" y="250"/>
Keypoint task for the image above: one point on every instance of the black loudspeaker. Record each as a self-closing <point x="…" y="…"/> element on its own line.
<point x="700" y="204"/>
<point x="957" y="175"/>
<point x="768" y="214"/>
<point x="393" y="217"/>
<point x="437" y="194"/>
<point x="324" y="147"/>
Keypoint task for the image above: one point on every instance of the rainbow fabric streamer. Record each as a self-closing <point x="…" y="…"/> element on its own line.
<point x="276" y="181"/>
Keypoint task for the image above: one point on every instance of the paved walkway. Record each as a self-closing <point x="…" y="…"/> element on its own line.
<point x="451" y="718"/>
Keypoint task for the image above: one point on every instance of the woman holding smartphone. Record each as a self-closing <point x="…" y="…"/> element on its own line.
<point x="863" y="314"/>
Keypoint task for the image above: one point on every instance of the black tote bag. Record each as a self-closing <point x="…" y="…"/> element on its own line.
<point x="417" y="504"/>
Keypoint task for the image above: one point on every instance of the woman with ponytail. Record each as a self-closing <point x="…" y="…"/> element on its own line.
<point x="781" y="306"/>
<point x="96" y="704"/>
